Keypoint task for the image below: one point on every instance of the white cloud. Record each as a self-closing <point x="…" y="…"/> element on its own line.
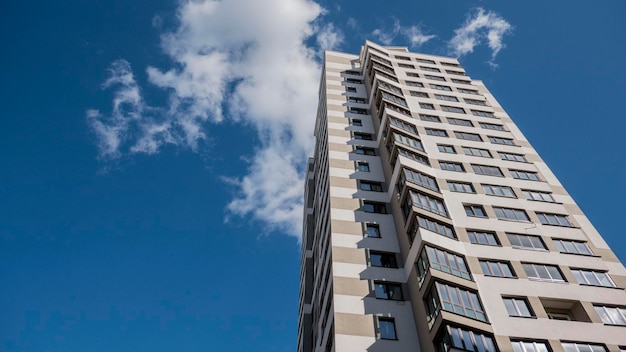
<point x="413" y="34"/>
<point x="480" y="26"/>
<point x="234" y="61"/>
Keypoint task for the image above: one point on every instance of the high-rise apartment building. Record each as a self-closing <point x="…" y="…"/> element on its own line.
<point x="431" y="223"/>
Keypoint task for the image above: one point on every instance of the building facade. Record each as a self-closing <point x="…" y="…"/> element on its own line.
<point x="432" y="224"/>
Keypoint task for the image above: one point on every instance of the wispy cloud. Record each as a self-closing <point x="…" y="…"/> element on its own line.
<point x="413" y="34"/>
<point x="233" y="61"/>
<point x="480" y="26"/>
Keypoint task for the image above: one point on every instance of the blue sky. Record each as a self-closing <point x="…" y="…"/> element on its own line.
<point x="144" y="144"/>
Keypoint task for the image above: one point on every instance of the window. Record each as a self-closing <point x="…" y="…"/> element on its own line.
<point x="582" y="347"/>
<point x="461" y="187"/>
<point x="403" y="125"/>
<point x="501" y="191"/>
<point x="356" y="100"/>
<point x="363" y="166"/>
<point x="365" y="151"/>
<point x="477" y="152"/>
<point x="452" y="109"/>
<point x="387" y="328"/>
<point x="446" y="97"/>
<point x="612" y="315"/>
<point x="403" y="58"/>
<point x="419" y="179"/>
<point x="363" y="136"/>
<point x="468" y="136"/>
<point x="476" y="102"/>
<point x="389" y="87"/>
<point x="434" y="78"/>
<point x="554" y="219"/>
<point x="483" y="113"/>
<point x="388" y="290"/>
<point x="543" y="272"/>
<point x="483" y="237"/>
<point x="414" y="84"/>
<point x="524" y="175"/>
<point x="449" y="64"/>
<point x="512" y="157"/>
<point x="442" y="260"/>
<point x="413" y="156"/>
<point x="475" y="210"/>
<point x="431" y="118"/>
<point x="500" y="140"/>
<point x="538" y="195"/>
<point x="593" y="278"/>
<point x="406" y="66"/>
<point x="529" y="346"/>
<point x="408" y="141"/>
<point x="467" y="91"/>
<point x="351" y="89"/>
<point x="426" y="61"/>
<point x="440" y="87"/>
<point x="446" y="148"/>
<point x="526" y="241"/>
<point x="466" y="340"/>
<point x="412" y="74"/>
<point x="511" y="214"/>
<point x="455" y="300"/>
<point x="383" y="259"/>
<point x="372" y="230"/>
<point x="371" y="207"/>
<point x="573" y="247"/>
<point x="517" y="307"/>
<point x="371" y="186"/>
<point x="436" y="132"/>
<point x="491" y="126"/>
<point x="419" y="94"/>
<point x="395" y="99"/>
<point x="357" y="111"/>
<point x="455" y="72"/>
<point x="435" y="226"/>
<point x="461" y="81"/>
<point x="460" y="122"/>
<point x="356" y="122"/>
<point x="429" y="69"/>
<point x="428" y="203"/>
<point x="427" y="106"/>
<point x="496" y="268"/>
<point x="450" y="166"/>
<point x="487" y="170"/>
